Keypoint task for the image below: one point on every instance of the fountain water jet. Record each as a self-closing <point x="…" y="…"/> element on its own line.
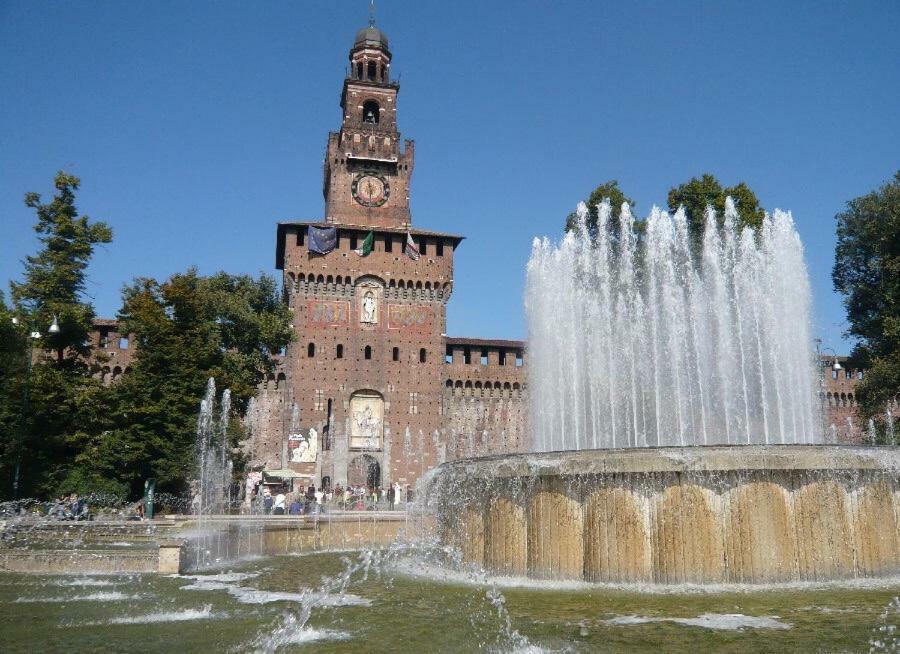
<point x="645" y="342"/>
<point x="674" y="417"/>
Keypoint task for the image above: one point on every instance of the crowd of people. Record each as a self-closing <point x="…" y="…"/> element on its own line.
<point x="70" y="507"/>
<point x="268" y="499"/>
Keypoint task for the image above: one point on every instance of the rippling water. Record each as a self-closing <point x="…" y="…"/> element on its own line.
<point x="414" y="608"/>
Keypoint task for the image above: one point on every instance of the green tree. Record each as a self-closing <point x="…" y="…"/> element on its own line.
<point x="186" y="329"/>
<point x="52" y="290"/>
<point x="54" y="282"/>
<point x="867" y="273"/>
<point x="13" y="351"/>
<point x="706" y="191"/>
<point x="606" y="191"/>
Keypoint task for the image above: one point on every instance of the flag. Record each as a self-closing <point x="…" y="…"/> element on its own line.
<point x="367" y="245"/>
<point x="411" y="250"/>
<point x="322" y="240"/>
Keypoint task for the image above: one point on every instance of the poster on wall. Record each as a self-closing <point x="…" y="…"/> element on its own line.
<point x="303" y="447"/>
<point x="366" y="421"/>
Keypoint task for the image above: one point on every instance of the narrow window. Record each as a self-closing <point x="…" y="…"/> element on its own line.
<point x="301" y="236"/>
<point x="359" y="70"/>
<point x="395" y="354"/>
<point x="448" y="356"/>
<point x="484" y="357"/>
<point x="520" y="361"/>
<point x="353" y="242"/>
<point x="467" y="356"/>
<point x="388" y="243"/>
<point x="423" y="246"/>
<point x="370" y="71"/>
<point x="123" y="343"/>
<point x="422" y="355"/>
<point x="339" y="352"/>
<point x="502" y="357"/>
<point x="439" y="247"/>
<point x="311" y="350"/>
<point x="367" y="353"/>
<point x="326" y="440"/>
<point x="834" y="373"/>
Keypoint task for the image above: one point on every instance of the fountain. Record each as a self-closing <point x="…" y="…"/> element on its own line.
<point x="674" y="418"/>
<point x="630" y="483"/>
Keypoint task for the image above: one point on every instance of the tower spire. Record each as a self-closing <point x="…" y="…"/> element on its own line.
<point x="372" y="13"/>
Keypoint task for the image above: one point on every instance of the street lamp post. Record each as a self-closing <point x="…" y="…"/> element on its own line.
<point x="835" y="365"/>
<point x="34" y="335"/>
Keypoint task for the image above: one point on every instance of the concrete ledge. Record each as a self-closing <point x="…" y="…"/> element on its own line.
<point x="681" y="459"/>
<point x="79" y="561"/>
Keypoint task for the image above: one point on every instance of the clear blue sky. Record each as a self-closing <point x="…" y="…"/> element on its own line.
<point x="196" y="126"/>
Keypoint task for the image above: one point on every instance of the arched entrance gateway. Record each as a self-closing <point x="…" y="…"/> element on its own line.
<point x="364" y="470"/>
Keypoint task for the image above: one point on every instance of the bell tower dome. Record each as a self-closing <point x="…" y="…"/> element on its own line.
<point x="367" y="169"/>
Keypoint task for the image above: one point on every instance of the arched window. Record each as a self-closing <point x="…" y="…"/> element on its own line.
<point x="371" y="112"/>
<point x="371" y="71"/>
<point x="367" y="353"/>
<point x="339" y="352"/>
<point x="422" y="355"/>
<point x="395" y="355"/>
<point x="311" y="350"/>
<point x="358" y="70"/>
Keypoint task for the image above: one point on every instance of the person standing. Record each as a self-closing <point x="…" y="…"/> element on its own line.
<point x="279" y="503"/>
<point x="391" y="496"/>
<point x="320" y="496"/>
<point x="267" y="500"/>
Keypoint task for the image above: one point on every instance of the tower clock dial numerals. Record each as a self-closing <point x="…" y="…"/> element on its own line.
<point x="370" y="189"/>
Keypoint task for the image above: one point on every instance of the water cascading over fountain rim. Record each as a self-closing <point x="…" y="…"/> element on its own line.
<point x="670" y="515"/>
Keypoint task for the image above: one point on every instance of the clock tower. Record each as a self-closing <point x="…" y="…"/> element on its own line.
<point x="367" y="172"/>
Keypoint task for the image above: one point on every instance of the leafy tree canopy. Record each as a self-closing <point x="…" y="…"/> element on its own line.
<point x="186" y="329"/>
<point x="695" y="196"/>
<point x="74" y="434"/>
<point x="706" y="191"/>
<point x="606" y="191"/>
<point x="42" y="404"/>
<point x="54" y="281"/>
<point x="867" y="273"/>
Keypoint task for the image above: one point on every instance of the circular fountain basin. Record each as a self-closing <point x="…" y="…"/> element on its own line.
<point x="673" y="515"/>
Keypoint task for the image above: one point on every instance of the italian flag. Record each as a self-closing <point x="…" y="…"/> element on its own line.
<point x="411" y="250"/>
<point x="366" y="245"/>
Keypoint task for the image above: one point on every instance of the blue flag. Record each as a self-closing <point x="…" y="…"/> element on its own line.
<point x="322" y="240"/>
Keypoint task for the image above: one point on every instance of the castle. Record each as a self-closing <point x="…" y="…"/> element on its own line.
<point x="372" y="391"/>
<point x="382" y="394"/>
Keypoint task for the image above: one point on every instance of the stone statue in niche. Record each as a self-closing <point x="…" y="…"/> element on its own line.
<point x="369" y="308"/>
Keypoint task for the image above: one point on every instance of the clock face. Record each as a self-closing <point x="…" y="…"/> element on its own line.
<point x="370" y="189"/>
